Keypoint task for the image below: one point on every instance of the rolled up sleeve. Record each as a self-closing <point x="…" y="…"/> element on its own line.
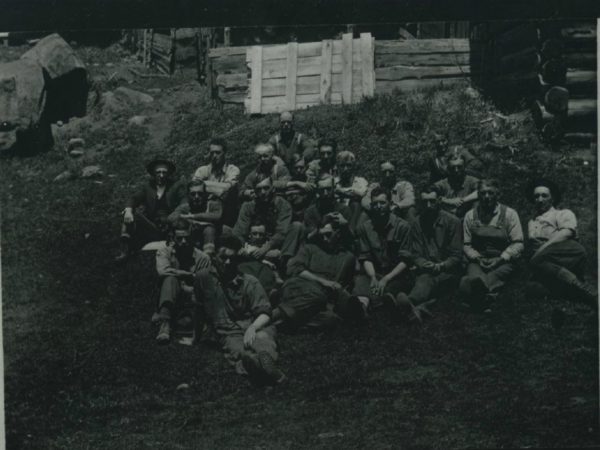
<point x="468" y="249"/>
<point x="515" y="233"/>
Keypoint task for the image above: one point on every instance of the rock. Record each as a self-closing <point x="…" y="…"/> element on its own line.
<point x="76" y="153"/>
<point x="183" y="387"/>
<point x="66" y="175"/>
<point x="132" y="96"/>
<point x="109" y="64"/>
<point x="472" y="93"/>
<point x="138" y="120"/>
<point x="75" y="143"/>
<point x="91" y="171"/>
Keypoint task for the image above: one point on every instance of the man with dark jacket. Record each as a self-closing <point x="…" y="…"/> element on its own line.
<point x="146" y="212"/>
<point x="288" y="142"/>
<point x="436" y="248"/>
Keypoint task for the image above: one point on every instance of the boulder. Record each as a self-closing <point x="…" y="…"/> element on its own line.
<point x="138" y="120"/>
<point x="67" y="78"/>
<point x="132" y="96"/>
<point x="91" y="172"/>
<point x="22" y="104"/>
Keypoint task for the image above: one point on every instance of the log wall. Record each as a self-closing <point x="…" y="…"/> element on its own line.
<point x="549" y="64"/>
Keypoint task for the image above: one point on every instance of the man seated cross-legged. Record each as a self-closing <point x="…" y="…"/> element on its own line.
<point x="493" y="244"/>
<point x="384" y="243"/>
<point x="436" y="247"/>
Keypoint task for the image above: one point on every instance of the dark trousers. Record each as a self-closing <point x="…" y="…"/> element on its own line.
<point x="142" y="230"/>
<point x="427" y="286"/>
<point x="492" y="280"/>
<point x="569" y="254"/>
<point x="305" y="302"/>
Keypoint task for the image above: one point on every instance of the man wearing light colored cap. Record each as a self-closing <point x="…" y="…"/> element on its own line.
<point x="288" y="142"/>
<point x="269" y="166"/>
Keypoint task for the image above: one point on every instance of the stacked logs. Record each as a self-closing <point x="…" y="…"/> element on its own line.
<point x="566" y="106"/>
<point x="551" y="65"/>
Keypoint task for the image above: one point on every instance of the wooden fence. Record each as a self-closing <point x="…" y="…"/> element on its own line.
<point x="294" y="76"/>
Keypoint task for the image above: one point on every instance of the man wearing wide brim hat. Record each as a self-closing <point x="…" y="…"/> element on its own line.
<point x="558" y="259"/>
<point x="145" y="214"/>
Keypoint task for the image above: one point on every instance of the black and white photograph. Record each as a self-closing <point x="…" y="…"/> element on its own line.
<point x="286" y="225"/>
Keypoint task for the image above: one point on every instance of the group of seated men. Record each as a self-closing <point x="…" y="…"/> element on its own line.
<point x="303" y="241"/>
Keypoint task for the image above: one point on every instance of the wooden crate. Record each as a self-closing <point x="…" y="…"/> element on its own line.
<point x="296" y="76"/>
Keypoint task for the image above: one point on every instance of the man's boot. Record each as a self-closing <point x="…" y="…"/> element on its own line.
<point x="164" y="332"/>
<point x="582" y="291"/>
<point x="125" y="250"/>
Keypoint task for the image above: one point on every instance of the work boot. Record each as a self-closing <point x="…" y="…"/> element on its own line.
<point x="582" y="291"/>
<point x="404" y="308"/>
<point x="270" y="369"/>
<point x="125" y="251"/>
<point x="164" y="332"/>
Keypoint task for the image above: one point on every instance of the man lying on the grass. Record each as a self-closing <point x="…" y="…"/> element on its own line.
<point x="493" y="244"/>
<point x="436" y="246"/>
<point x="145" y="214"/>
<point x="204" y="215"/>
<point x="558" y="260"/>
<point x="238" y="308"/>
<point x="317" y="294"/>
<point x="177" y="262"/>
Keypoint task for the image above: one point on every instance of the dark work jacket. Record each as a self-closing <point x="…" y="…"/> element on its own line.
<point x="175" y="191"/>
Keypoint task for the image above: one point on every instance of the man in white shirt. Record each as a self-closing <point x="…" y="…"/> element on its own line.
<point x="557" y="256"/>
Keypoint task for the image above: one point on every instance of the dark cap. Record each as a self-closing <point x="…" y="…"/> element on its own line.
<point x="151" y="166"/>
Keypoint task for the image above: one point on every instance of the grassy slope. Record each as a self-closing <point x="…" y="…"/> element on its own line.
<point x="82" y="370"/>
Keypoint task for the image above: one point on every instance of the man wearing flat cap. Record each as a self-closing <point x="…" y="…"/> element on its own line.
<point x="288" y="142"/>
<point x="558" y="259"/>
<point x="145" y="214"/>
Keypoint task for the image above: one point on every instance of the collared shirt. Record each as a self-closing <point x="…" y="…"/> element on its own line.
<point x="403" y="195"/>
<point x="386" y="247"/>
<point x="334" y="265"/>
<point x="147" y="197"/>
<point x="358" y="186"/>
<point x="235" y="304"/>
<point x="277" y="218"/>
<point x="298" y="144"/>
<point x="229" y="174"/>
<point x="442" y="244"/>
<point x="279" y="174"/>
<point x="314" y="172"/>
<point x="468" y="186"/>
<point x="512" y="226"/>
<point x="166" y="258"/>
<point x="542" y="227"/>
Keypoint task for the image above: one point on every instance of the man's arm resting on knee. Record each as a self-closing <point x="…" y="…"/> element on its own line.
<point x="560" y="236"/>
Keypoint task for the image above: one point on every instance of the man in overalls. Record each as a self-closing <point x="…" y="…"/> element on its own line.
<point x="288" y="142"/>
<point x="493" y="243"/>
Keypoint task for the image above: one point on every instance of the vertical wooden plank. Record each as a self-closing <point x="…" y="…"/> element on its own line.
<point x="290" y="82"/>
<point x="347" y="68"/>
<point x="367" y="65"/>
<point x="326" y="52"/>
<point x="227" y="37"/>
<point x="256" y="79"/>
